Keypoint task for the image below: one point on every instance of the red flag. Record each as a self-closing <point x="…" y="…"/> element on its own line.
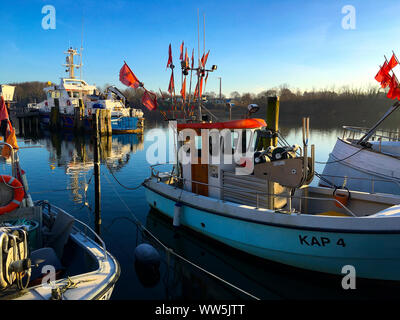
<point x="195" y="94"/>
<point x="169" y="56"/>
<point x="171" y="85"/>
<point x="192" y="58"/>
<point x="205" y="81"/>
<point x="186" y="59"/>
<point x="183" y="90"/>
<point x="392" y="63"/>
<point x="393" y="86"/>
<point x="201" y="86"/>
<point x="127" y="77"/>
<point x="204" y="59"/>
<point x="181" y="56"/>
<point x="149" y="99"/>
<point x="381" y="73"/>
<point x="386" y="80"/>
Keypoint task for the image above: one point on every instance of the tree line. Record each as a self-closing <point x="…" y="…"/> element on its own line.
<point x="326" y="107"/>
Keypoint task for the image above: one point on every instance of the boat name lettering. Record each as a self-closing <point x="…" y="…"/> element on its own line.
<point x="319" y="241"/>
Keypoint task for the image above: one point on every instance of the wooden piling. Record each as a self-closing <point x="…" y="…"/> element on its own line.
<point x="55" y="115"/>
<point x="96" y="165"/>
<point x="79" y="117"/>
<point x="273" y="119"/>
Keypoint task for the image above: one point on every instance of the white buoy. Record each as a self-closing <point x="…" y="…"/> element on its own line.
<point x="177" y="214"/>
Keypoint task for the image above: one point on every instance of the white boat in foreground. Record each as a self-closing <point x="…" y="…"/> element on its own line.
<point x="47" y="254"/>
<point x="273" y="213"/>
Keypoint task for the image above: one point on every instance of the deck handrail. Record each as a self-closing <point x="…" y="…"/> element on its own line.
<point x="170" y="175"/>
<point x="50" y="207"/>
<point x="380" y="133"/>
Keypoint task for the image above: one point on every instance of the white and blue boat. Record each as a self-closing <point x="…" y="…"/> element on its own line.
<point x="68" y="94"/>
<point x="272" y="212"/>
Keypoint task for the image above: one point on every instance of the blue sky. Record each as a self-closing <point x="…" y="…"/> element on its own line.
<point x="255" y="44"/>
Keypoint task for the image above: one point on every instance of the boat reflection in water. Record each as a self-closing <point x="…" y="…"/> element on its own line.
<point x="263" y="279"/>
<point x="76" y="154"/>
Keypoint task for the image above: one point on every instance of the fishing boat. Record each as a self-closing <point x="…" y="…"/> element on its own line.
<point x="261" y="202"/>
<point x="73" y="94"/>
<point x="365" y="159"/>
<point x="47" y="254"/>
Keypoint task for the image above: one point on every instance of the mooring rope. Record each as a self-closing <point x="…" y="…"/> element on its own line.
<point x="128" y="188"/>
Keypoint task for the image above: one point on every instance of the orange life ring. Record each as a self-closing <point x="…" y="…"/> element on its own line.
<point x="19" y="193"/>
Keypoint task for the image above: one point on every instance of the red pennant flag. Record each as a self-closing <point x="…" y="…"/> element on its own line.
<point x="186" y="59"/>
<point x="393" y="84"/>
<point x="201" y="86"/>
<point x="195" y="94"/>
<point x="169" y="56"/>
<point x="386" y="80"/>
<point x="149" y="99"/>
<point x="183" y="90"/>
<point x="181" y="55"/>
<point x="127" y="77"/>
<point x="171" y="85"/>
<point x="204" y="59"/>
<point x="381" y="73"/>
<point x="392" y="63"/>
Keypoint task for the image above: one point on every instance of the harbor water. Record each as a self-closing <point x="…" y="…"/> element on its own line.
<point x="59" y="168"/>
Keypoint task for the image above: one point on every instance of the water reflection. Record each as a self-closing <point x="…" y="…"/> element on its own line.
<point x="75" y="154"/>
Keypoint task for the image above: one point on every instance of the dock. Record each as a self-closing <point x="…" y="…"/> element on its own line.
<point x="28" y="121"/>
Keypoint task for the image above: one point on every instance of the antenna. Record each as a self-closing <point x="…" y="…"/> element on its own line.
<point x="81" y="64"/>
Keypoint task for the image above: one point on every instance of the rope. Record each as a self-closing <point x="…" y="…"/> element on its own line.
<point x="334" y="161"/>
<point x="128" y="188"/>
<point x="171" y="251"/>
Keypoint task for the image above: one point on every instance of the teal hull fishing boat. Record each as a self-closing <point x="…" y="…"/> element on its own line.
<point x="270" y="210"/>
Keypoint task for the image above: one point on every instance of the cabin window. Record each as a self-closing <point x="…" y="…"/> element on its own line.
<point x="55" y="94"/>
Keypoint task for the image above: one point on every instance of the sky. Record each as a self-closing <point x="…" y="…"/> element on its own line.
<point x="256" y="45"/>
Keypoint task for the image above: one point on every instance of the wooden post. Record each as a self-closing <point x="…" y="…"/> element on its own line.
<point x="96" y="164"/>
<point x="273" y="125"/>
<point x="273" y="119"/>
<point x="55" y="115"/>
<point x="21" y="128"/>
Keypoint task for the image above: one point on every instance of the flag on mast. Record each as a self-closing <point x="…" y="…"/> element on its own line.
<point x="183" y="90"/>
<point x="171" y="85"/>
<point x="149" y="99"/>
<point x="127" y="77"/>
<point x="181" y="55"/>
<point x="169" y="56"/>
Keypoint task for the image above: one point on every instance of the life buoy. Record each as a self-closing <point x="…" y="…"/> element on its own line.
<point x="19" y="193"/>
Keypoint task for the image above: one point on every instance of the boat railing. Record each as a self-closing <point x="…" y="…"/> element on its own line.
<point x="12" y="155"/>
<point x="355" y="133"/>
<point x="170" y="176"/>
<point x="55" y="209"/>
<point x="372" y="181"/>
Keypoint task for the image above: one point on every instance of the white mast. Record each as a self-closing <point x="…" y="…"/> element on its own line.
<point x="70" y="62"/>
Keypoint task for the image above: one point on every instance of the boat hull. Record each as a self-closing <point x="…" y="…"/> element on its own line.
<point x="366" y="170"/>
<point x="374" y="255"/>
<point x="119" y="125"/>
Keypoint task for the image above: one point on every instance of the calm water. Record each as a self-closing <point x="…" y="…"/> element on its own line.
<point x="60" y="169"/>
